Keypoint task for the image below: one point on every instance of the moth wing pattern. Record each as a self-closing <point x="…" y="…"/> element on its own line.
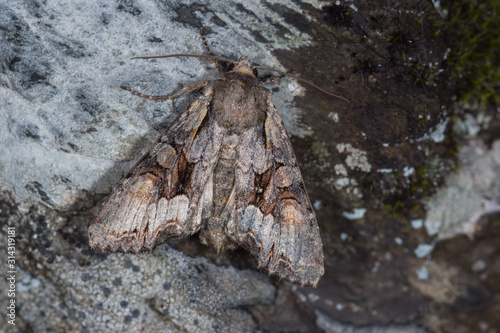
<point x="163" y="196"/>
<point x="273" y="218"/>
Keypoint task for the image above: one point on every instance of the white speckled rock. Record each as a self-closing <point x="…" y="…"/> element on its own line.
<point x="69" y="133"/>
<point x="67" y="129"/>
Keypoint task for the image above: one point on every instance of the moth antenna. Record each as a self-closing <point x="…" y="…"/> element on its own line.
<point x="206" y="56"/>
<point x="298" y="78"/>
<point x="211" y="56"/>
<point x="214" y="62"/>
<point x="205" y="42"/>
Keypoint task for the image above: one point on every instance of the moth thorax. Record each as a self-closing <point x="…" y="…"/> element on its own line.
<point x="245" y="66"/>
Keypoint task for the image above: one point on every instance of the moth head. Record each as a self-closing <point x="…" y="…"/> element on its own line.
<point x="244" y="66"/>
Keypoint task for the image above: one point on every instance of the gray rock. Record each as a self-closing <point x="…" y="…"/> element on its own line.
<point x="469" y="193"/>
<point x="68" y="134"/>
<point x="68" y="129"/>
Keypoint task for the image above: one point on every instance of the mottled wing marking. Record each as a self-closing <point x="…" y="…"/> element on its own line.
<point x="272" y="216"/>
<point x="164" y="195"/>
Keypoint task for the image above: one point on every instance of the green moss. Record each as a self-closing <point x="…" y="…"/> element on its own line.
<point x="396" y="209"/>
<point x="408" y="49"/>
<point x="377" y="22"/>
<point x="474" y="59"/>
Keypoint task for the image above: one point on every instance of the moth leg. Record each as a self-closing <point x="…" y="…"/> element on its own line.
<point x="276" y="79"/>
<point x="186" y="90"/>
<point x="213" y="62"/>
<point x="141" y="95"/>
<point x="273" y="79"/>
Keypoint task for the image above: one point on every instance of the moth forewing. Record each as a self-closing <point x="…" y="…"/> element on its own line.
<point x="224" y="168"/>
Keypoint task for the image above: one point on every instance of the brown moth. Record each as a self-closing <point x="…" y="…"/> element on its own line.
<point x="226" y="169"/>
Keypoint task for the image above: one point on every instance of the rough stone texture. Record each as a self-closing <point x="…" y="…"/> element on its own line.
<point x="470" y="193"/>
<point x="63" y="286"/>
<point x="68" y="133"/>
<point x="63" y="67"/>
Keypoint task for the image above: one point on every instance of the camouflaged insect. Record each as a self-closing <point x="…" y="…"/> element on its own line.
<point x="226" y="169"/>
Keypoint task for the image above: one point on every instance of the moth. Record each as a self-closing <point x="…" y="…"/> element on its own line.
<point x="226" y="169"/>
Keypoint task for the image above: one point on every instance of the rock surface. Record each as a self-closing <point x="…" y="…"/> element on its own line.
<point x="396" y="256"/>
